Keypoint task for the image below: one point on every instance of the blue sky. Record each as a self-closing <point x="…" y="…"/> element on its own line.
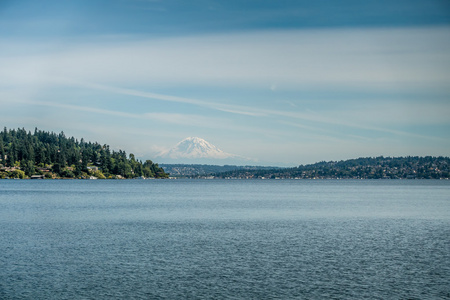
<point x="281" y="82"/>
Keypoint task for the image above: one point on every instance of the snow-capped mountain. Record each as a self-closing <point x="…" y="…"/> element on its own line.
<point x="197" y="151"/>
<point x="194" y="147"/>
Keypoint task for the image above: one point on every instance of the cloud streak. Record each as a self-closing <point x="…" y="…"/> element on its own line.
<point x="362" y="117"/>
<point x="156" y="96"/>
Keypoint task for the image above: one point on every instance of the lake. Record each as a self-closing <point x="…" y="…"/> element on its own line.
<point x="225" y="239"/>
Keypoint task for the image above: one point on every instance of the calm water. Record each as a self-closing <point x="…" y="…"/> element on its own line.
<point x="224" y="239"/>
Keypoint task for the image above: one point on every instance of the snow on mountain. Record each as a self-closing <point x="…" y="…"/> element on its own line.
<point x="195" y="148"/>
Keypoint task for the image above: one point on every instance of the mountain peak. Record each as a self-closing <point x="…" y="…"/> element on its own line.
<point x="194" y="148"/>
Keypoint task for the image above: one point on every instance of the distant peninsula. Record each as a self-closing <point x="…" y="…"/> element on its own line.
<point x="410" y="167"/>
<point x="49" y="155"/>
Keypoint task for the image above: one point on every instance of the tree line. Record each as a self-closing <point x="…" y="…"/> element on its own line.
<point x="410" y="167"/>
<point x="24" y="154"/>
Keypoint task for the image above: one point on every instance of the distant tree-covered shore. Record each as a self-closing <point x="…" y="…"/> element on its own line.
<point x="49" y="155"/>
<point x="410" y="167"/>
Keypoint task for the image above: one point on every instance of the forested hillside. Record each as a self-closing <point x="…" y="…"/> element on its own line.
<point x="24" y="154"/>
<point x="410" y="167"/>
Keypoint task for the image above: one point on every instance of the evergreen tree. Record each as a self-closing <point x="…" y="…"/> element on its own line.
<point x="12" y="155"/>
<point x="28" y="167"/>
<point x="2" y="151"/>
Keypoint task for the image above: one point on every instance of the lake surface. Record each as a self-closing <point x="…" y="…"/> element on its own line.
<point x="224" y="239"/>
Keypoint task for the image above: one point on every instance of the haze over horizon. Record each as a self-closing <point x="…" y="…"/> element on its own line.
<point x="284" y="82"/>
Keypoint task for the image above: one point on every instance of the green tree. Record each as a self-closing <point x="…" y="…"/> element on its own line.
<point x="67" y="173"/>
<point x="99" y="175"/>
<point x="56" y="168"/>
<point x="17" y="174"/>
<point x="61" y="158"/>
<point x="11" y="155"/>
<point x="28" y="167"/>
<point x="2" y="151"/>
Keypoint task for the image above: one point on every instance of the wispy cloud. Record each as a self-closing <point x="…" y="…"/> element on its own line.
<point x="363" y="119"/>
<point x="155" y="96"/>
<point x="70" y="107"/>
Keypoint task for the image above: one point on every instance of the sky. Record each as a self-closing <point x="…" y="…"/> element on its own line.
<point x="280" y="82"/>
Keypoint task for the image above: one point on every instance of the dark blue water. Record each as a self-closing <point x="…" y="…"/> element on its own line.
<point x="224" y="239"/>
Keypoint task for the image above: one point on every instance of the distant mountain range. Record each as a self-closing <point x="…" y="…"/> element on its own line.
<point x="195" y="150"/>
